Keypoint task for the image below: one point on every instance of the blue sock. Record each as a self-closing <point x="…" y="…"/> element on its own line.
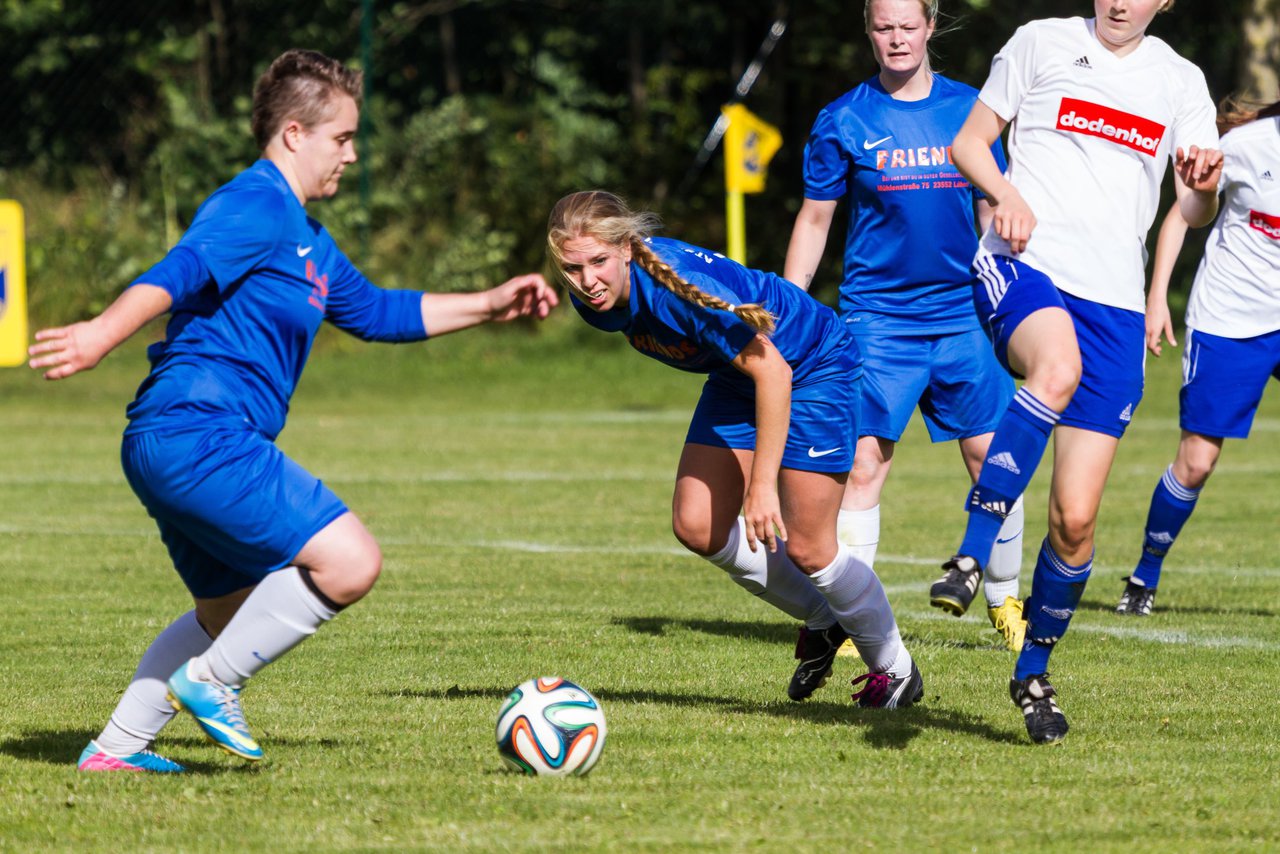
<point x="1016" y="449"/>
<point x="1055" y="591"/>
<point x="1171" y="506"/>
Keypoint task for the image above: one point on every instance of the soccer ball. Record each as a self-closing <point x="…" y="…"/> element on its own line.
<point x="550" y="726"/>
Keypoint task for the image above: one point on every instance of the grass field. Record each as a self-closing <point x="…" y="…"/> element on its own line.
<point x="520" y="488"/>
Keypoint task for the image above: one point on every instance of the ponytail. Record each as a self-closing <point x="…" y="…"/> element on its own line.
<point x="1236" y="110"/>
<point x="753" y="314"/>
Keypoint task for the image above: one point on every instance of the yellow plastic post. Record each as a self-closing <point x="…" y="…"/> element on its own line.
<point x="735" y="221"/>
<point x="749" y="144"/>
<point x="13" y="286"/>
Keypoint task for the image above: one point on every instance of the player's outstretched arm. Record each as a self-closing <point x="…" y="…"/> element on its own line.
<point x="65" y="350"/>
<point x="808" y="239"/>
<point x="761" y="508"/>
<point x="524" y="296"/>
<point x="1014" y="220"/>
<point x="1173" y="232"/>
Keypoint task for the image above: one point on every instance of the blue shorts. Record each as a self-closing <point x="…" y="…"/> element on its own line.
<point x="231" y="507"/>
<point x="824" y="421"/>
<point x="955" y="379"/>
<point x="1223" y="380"/>
<point x="1112" y="340"/>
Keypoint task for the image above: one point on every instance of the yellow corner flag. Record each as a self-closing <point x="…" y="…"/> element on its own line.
<point x="749" y="145"/>
<point x="13" y="286"/>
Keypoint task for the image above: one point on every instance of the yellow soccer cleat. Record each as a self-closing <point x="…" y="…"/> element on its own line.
<point x="1007" y="620"/>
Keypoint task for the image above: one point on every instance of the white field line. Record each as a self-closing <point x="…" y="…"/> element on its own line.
<point x="387" y="477"/>
<point x="1171" y="637"/>
<point x="1162" y="636"/>
<point x="534" y="547"/>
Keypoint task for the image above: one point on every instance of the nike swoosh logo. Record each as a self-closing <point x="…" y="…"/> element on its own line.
<point x="868" y="145"/>
<point x="232" y="735"/>
<point x="303" y="253"/>
<point x="815" y="454"/>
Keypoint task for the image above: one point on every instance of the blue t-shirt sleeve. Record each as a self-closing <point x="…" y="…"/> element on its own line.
<point x="361" y="308"/>
<point x="234" y="232"/>
<point x="826" y="167"/>
<point x="180" y="273"/>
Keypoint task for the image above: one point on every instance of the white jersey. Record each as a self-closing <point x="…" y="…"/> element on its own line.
<point x="1237" y="289"/>
<point x="1091" y="135"/>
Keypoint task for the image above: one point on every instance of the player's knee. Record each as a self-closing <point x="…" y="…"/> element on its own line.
<point x="1193" y="470"/>
<point x="1074" y="531"/>
<point x="1055" y="383"/>
<point x="811" y="555"/>
<point x="351" y="579"/>
<point x="694" y="533"/>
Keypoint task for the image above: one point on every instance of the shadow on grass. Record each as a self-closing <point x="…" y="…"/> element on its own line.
<point x="1216" y="611"/>
<point x="892" y="730"/>
<point x="783" y="633"/>
<point x="63" y="747"/>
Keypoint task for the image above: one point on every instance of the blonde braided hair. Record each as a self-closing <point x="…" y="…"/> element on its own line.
<point x="606" y="217"/>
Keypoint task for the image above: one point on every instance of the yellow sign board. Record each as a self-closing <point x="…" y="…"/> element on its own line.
<point x="13" y="286"/>
<point x="749" y="145"/>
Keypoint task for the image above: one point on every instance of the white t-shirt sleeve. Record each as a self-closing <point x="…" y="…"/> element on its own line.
<point x="1195" y="123"/>
<point x="1012" y="72"/>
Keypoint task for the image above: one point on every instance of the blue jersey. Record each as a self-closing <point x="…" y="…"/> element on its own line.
<point x="911" y="233"/>
<point x="251" y="280"/>
<point x="676" y="332"/>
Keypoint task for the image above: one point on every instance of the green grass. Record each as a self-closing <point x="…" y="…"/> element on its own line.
<point x="520" y="487"/>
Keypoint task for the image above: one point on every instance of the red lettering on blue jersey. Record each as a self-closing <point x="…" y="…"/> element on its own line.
<point x="911" y="158"/>
<point x="320" y="290"/>
<point x="681" y="351"/>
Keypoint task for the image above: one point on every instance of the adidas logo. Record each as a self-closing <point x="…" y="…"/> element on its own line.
<point x="1127" y="415"/>
<point x="1057" y="613"/>
<point x="1005" y="460"/>
<point x="1162" y="537"/>
<point x="1266" y="176"/>
<point x="1083" y="62"/>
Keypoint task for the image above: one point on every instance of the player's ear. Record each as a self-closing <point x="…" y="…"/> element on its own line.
<point x="291" y="134"/>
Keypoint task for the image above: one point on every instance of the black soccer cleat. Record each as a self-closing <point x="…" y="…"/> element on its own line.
<point x="883" y="691"/>
<point x="816" y="649"/>
<point x="954" y="591"/>
<point x="1034" y="695"/>
<point x="1136" y="600"/>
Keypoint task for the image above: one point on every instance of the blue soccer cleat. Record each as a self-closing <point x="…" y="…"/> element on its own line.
<point x="94" y="758"/>
<point x="216" y="707"/>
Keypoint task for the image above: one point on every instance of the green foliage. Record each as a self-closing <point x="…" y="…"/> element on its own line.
<point x="480" y="115"/>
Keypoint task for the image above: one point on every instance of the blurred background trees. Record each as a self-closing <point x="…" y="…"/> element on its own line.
<point x="120" y="116"/>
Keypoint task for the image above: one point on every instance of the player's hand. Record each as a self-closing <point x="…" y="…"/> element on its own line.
<point x="1199" y="168"/>
<point x="524" y="296"/>
<point x="1013" y="220"/>
<point x="763" y="514"/>
<point x="67" y="350"/>
<point x="1159" y="323"/>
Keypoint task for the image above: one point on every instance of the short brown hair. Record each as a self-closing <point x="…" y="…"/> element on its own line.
<point x="300" y="84"/>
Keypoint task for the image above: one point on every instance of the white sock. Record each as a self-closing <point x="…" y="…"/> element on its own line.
<point x="860" y="531"/>
<point x="279" y="614"/>
<point x="143" y="710"/>
<point x="773" y="578"/>
<point x="857" y="597"/>
<point x="1000" y="579"/>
